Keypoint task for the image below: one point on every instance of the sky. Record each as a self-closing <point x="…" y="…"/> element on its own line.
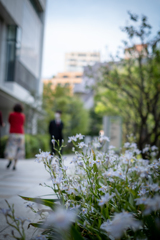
<point x="89" y="25"/>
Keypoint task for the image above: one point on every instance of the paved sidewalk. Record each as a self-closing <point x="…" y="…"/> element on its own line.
<point x="25" y="182"/>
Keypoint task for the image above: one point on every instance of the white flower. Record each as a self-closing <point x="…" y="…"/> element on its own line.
<point x="111" y="173"/>
<point x="137" y="151"/>
<point x="103" y="189"/>
<point x="64" y="168"/>
<point x="153" y="187"/>
<point x="104" y="138"/>
<point x="80" y="136"/>
<point x="104" y="199"/>
<point x="153" y="148"/>
<point x="43" y="156"/>
<point x="141" y="200"/>
<point x="152" y="204"/>
<point x="120" y="223"/>
<point x="80" y="164"/>
<point x="126" y="145"/>
<point x="59" y="179"/>
<point x="84" y="210"/>
<point x="74" y="159"/>
<point x="97" y="162"/>
<point x="73" y="138"/>
<point x="133" y="145"/>
<point x="142" y="192"/>
<point x="30" y="205"/>
<point x="82" y="144"/>
<point x="146" y="149"/>
<point x="96" y="144"/>
<point x="60" y="219"/>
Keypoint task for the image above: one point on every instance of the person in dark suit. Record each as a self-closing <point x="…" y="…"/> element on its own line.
<point x="55" y="130"/>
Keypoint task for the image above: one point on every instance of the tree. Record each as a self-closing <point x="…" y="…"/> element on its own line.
<point x="95" y="123"/>
<point x="131" y="87"/>
<point x="75" y="117"/>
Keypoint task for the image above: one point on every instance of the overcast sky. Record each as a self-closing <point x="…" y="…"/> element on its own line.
<point x="89" y="25"/>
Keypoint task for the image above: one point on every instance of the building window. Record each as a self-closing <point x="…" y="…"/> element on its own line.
<point x="65" y="76"/>
<point x="94" y="55"/>
<point x="81" y="55"/>
<point x="13" y="44"/>
<point x="78" y="76"/>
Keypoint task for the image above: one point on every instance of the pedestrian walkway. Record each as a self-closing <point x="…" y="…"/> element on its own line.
<point x="25" y="181"/>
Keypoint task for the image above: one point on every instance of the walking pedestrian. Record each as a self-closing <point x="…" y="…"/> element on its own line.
<point x="15" y="148"/>
<point x="55" y="129"/>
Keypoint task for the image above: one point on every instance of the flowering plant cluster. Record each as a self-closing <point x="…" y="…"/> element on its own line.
<point x="109" y="196"/>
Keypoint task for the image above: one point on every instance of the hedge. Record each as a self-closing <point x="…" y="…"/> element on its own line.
<point x="32" y="145"/>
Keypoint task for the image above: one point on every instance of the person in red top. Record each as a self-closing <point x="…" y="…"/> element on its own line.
<point x="15" y="148"/>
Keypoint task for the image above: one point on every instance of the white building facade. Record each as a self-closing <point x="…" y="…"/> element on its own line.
<point x="21" y="45"/>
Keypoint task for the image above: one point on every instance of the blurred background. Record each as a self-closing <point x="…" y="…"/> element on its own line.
<point x="96" y="61"/>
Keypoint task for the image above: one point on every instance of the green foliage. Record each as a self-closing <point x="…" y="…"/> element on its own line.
<point x="130" y="87"/>
<point x="32" y="145"/>
<point x="35" y="142"/>
<point x="47" y="202"/>
<point x="109" y="196"/>
<point x="95" y="123"/>
<point x="3" y="145"/>
<point x="74" y="116"/>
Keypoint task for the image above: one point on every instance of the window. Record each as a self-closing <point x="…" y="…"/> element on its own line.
<point x="94" y="55"/>
<point x="65" y="76"/>
<point x="81" y="54"/>
<point x="13" y="44"/>
<point x="78" y="76"/>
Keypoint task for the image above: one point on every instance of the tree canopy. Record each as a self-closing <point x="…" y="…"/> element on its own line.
<point x="74" y="116"/>
<point x="130" y="87"/>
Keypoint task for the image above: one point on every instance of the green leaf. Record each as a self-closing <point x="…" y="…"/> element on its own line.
<point x="36" y="225"/>
<point x="75" y="234"/>
<point x="131" y="201"/>
<point x="47" y="202"/>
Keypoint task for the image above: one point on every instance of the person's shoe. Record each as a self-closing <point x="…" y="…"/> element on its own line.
<point x="14" y="168"/>
<point x="9" y="164"/>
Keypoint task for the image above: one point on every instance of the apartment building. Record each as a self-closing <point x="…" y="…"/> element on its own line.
<point x="21" y="45"/>
<point x="76" y="61"/>
<point x="135" y="51"/>
<point x="69" y="79"/>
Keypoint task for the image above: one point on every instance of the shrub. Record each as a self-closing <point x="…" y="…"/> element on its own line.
<point x="32" y="145"/>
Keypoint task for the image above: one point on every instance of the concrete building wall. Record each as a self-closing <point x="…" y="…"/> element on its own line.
<point x="27" y="19"/>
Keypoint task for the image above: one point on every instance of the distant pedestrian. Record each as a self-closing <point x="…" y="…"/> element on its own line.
<point x="15" y="148"/>
<point x="55" y="129"/>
